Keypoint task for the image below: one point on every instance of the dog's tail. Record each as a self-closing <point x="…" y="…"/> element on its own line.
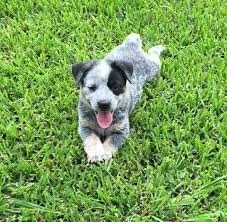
<point x="133" y="39"/>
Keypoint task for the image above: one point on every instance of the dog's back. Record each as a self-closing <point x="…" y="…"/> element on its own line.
<point x="145" y="65"/>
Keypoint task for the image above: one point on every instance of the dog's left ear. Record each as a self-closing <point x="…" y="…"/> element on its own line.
<point x="79" y="70"/>
<point x="125" y="67"/>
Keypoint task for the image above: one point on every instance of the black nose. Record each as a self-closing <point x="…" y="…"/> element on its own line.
<point x="104" y="105"/>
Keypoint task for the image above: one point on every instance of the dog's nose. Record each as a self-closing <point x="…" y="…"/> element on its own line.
<point x="104" y="105"/>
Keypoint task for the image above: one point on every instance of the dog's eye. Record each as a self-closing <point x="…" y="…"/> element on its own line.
<point x="115" y="88"/>
<point x="92" y="88"/>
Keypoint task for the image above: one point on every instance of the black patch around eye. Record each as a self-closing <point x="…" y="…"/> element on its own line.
<point x="116" y="81"/>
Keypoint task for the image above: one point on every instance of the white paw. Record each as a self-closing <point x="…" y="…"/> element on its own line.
<point x="109" y="149"/>
<point x="94" y="149"/>
<point x="95" y="153"/>
<point x="158" y="49"/>
<point x="108" y="155"/>
<point x="98" y="153"/>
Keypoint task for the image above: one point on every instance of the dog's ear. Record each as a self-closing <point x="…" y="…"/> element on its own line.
<point x="125" y="67"/>
<point x="80" y="69"/>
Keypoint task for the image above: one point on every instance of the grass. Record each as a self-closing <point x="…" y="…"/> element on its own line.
<point x="172" y="168"/>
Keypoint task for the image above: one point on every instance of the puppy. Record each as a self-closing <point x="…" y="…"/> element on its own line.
<point x="109" y="91"/>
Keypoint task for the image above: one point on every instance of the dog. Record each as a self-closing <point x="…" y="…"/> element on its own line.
<point x="109" y="90"/>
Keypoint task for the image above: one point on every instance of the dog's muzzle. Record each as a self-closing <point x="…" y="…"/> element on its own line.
<point x="104" y="115"/>
<point x="104" y="105"/>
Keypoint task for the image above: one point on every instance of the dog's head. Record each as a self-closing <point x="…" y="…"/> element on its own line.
<point x="102" y="85"/>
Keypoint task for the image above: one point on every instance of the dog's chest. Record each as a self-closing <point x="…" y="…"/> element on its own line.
<point x="102" y="133"/>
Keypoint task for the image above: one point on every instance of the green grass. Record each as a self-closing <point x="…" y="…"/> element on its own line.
<point x="174" y="165"/>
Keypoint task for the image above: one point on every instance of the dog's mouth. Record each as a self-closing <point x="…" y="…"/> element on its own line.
<point x="104" y="118"/>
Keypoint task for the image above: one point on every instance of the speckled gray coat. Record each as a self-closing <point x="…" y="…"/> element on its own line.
<point x="145" y="67"/>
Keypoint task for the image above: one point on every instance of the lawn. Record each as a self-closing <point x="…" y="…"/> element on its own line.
<point x="173" y="167"/>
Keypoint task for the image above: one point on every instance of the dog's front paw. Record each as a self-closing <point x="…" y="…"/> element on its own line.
<point x="96" y="154"/>
<point x="109" y="149"/>
<point x="94" y="149"/>
<point x="100" y="153"/>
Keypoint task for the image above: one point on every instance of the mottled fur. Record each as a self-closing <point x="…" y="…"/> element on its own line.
<point x="138" y="67"/>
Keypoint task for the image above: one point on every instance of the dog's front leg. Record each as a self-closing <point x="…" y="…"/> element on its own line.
<point x="92" y="145"/>
<point x="115" y="140"/>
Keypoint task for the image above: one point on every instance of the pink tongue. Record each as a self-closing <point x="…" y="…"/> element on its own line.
<point x="104" y="119"/>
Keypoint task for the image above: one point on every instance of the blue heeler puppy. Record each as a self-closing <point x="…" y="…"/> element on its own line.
<point x="109" y="91"/>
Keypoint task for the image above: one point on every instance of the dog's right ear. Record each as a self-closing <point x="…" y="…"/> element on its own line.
<point x="79" y="70"/>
